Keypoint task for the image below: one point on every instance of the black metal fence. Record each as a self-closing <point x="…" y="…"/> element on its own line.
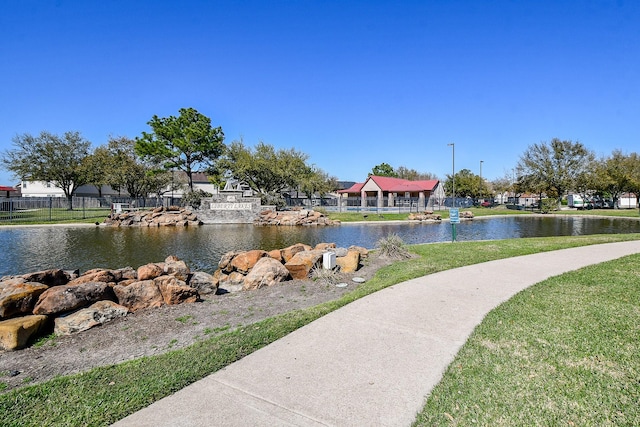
<point x="16" y="210"/>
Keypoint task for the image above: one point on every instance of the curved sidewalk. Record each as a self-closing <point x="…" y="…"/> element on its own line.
<point x="370" y="363"/>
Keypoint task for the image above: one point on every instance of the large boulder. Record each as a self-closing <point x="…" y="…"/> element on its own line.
<point x="266" y="272"/>
<point x="175" y="291"/>
<point x="291" y="251"/>
<point x="15" y="333"/>
<point x="177" y="268"/>
<point x="364" y="252"/>
<point x="139" y="295"/>
<point x="60" y="299"/>
<point x="234" y="277"/>
<point x="149" y="272"/>
<point x="86" y="318"/>
<point x="350" y="262"/>
<point x="340" y="251"/>
<point x="225" y="261"/>
<point x="54" y="277"/>
<point x="95" y="275"/>
<point x="19" y="298"/>
<point x="275" y="254"/>
<point x="126" y="273"/>
<point x="302" y="262"/>
<point x="243" y="262"/>
<point x="204" y="283"/>
<point x="325" y="246"/>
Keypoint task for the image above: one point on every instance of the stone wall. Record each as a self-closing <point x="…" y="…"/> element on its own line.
<point x="229" y="208"/>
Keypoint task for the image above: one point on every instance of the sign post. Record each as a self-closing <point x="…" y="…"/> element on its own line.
<point x="454" y="218"/>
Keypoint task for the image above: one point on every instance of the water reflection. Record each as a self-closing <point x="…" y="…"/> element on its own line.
<point x="32" y="249"/>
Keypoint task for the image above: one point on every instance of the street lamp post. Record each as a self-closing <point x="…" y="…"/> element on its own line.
<point x="453" y="172"/>
<point x="454" y="217"/>
<point x="480" y="194"/>
<point x="172" y="186"/>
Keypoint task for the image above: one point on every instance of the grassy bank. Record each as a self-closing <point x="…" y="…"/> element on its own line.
<point x="105" y="395"/>
<point x="622" y="213"/>
<point x="563" y="352"/>
<point x="478" y="212"/>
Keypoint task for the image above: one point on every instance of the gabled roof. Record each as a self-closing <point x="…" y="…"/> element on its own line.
<point x="345" y="184"/>
<point x="394" y="185"/>
<point x="355" y="188"/>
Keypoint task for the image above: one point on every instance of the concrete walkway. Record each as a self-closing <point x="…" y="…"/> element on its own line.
<point x="370" y="363"/>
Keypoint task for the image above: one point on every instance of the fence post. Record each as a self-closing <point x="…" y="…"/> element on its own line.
<point x="50" y="207"/>
<point x="10" y="210"/>
<point x="84" y="216"/>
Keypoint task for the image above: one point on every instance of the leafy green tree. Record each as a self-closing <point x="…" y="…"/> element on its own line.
<point x="383" y="169"/>
<point x="264" y="169"/>
<point x="467" y="183"/>
<point x="317" y="181"/>
<point x="181" y="143"/>
<point x="52" y="158"/>
<point x="97" y="167"/>
<point x="413" y="175"/>
<point x="502" y="185"/>
<point x="612" y="175"/>
<point x="633" y="185"/>
<point x="586" y="183"/>
<point x="126" y="171"/>
<point x="553" y="167"/>
<point x="129" y="173"/>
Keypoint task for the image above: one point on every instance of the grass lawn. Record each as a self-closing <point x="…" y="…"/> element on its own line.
<point x="478" y="212"/>
<point x="563" y="352"/>
<point x="444" y="213"/>
<point x="368" y="216"/>
<point x="105" y="395"/>
<point x="50" y="216"/>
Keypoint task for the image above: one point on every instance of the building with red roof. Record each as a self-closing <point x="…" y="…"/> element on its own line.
<point x="385" y="191"/>
<point x="7" y="190"/>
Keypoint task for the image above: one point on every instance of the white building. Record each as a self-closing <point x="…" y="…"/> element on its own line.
<point x="627" y="201"/>
<point x="47" y="189"/>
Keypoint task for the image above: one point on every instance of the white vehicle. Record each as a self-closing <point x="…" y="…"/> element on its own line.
<point x="575" y="201"/>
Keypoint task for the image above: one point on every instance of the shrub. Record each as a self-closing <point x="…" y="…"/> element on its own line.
<point x="327" y="276"/>
<point x="393" y="246"/>
<point x="548" y="205"/>
<point x="194" y="198"/>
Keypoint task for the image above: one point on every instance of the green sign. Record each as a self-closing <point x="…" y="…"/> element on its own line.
<point x="454" y="215"/>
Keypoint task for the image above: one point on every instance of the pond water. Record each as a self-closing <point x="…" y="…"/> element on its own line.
<point x="38" y="248"/>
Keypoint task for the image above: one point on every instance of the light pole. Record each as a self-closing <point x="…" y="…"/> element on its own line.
<point x="172" y="185"/>
<point x="480" y="195"/>
<point x="453" y="171"/>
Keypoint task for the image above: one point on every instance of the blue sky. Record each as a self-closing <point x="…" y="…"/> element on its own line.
<point x="350" y="83"/>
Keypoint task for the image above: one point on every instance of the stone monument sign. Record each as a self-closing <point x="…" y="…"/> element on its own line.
<point x="229" y="207"/>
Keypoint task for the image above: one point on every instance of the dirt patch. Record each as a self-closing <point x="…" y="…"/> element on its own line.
<point x="156" y="331"/>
